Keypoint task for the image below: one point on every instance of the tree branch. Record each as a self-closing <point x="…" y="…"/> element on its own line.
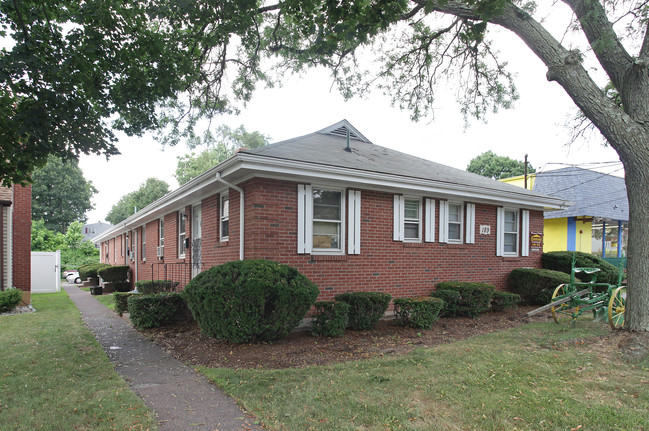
<point x="644" y="51"/>
<point x="606" y="45"/>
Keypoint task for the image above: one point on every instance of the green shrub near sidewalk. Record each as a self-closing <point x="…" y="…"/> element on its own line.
<point x="156" y="286"/>
<point x="366" y="308"/>
<point x="475" y="298"/>
<point x="450" y="298"/>
<point x="417" y="312"/>
<point x="150" y="311"/>
<point x="251" y="300"/>
<point x="536" y="286"/>
<point x="121" y="301"/>
<point x="90" y="270"/>
<point x="9" y="299"/>
<point x="502" y="300"/>
<point x="114" y="274"/>
<point x="562" y="261"/>
<point x="330" y="319"/>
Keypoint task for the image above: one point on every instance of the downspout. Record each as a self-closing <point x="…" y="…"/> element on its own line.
<point x="241" y="211"/>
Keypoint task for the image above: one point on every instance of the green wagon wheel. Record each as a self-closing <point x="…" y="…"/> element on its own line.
<point x="562" y="313"/>
<point x="617" y="307"/>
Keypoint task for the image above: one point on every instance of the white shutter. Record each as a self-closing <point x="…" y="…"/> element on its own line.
<point x="430" y="220"/>
<point x="470" y="224"/>
<point x="525" y="233"/>
<point x="500" y="231"/>
<point x="304" y="218"/>
<point x="399" y="208"/>
<point x="354" y="217"/>
<point x="443" y="221"/>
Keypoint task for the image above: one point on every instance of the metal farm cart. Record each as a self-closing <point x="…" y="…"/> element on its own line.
<point x="570" y="300"/>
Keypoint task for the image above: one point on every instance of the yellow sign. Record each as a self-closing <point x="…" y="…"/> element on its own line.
<point x="536" y="240"/>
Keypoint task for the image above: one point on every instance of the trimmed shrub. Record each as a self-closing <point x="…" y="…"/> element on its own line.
<point x="121" y="301"/>
<point x="417" y="312"/>
<point x="475" y="298"/>
<point x="535" y="286"/>
<point x="151" y="311"/>
<point x="9" y="299"/>
<point x="503" y="300"/>
<point x="562" y="261"/>
<point x="122" y="286"/>
<point x="156" y="286"/>
<point x="250" y="300"/>
<point x="114" y="274"/>
<point x="366" y="308"/>
<point x="330" y="319"/>
<point x="450" y="298"/>
<point x="90" y="270"/>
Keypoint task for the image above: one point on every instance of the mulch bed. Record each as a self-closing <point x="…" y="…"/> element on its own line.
<point x="185" y="342"/>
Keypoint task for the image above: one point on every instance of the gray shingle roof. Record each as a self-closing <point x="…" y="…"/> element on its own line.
<point x="327" y="148"/>
<point x="594" y="194"/>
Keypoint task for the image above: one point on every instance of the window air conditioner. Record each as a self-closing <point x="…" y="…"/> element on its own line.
<point x="160" y="251"/>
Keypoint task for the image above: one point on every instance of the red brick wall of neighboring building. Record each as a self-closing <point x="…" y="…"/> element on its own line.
<point x="22" y="234"/>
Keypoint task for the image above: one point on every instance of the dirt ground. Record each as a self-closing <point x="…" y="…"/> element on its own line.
<point x="186" y="343"/>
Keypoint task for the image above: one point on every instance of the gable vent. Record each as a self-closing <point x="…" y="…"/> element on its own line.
<point x="342" y="131"/>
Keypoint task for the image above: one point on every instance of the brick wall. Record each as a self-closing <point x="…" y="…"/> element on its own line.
<point x="399" y="268"/>
<point x="22" y="234"/>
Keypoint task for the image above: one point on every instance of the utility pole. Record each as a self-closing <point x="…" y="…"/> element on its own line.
<point x="525" y="173"/>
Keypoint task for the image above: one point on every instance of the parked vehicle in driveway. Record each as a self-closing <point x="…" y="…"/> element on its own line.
<point x="72" y="277"/>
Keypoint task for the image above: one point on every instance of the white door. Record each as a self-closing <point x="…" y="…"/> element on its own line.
<point x="46" y="271"/>
<point x="197" y="221"/>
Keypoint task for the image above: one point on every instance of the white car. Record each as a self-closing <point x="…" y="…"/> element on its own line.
<point x="73" y="277"/>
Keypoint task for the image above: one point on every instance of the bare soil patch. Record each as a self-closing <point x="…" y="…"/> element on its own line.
<point x="185" y="342"/>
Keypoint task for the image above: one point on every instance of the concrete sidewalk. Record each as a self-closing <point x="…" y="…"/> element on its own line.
<point x="181" y="398"/>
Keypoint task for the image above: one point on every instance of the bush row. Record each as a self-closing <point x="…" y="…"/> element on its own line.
<point x="150" y="311"/>
<point x="156" y="286"/>
<point x="90" y="270"/>
<point x="114" y="274"/>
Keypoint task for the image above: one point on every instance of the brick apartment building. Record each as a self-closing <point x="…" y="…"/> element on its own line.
<point x="15" y="238"/>
<point x="348" y="214"/>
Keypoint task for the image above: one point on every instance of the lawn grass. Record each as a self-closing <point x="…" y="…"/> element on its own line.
<point x="107" y="300"/>
<point x="536" y="377"/>
<point x="54" y="375"/>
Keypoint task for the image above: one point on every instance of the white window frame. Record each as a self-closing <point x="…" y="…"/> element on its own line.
<point x="412" y="220"/>
<point x="143" y="251"/>
<point x="504" y="232"/>
<point x="161" y="232"/>
<point x="341" y="223"/>
<point x="182" y="220"/>
<point x="460" y="205"/>
<point x="224" y="218"/>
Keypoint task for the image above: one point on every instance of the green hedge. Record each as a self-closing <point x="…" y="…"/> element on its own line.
<point x="562" y="261"/>
<point x="451" y="298"/>
<point x="475" y="298"/>
<point x="250" y="300"/>
<point x="9" y="299"/>
<point x="330" y="319"/>
<point x="114" y="274"/>
<point x="121" y="301"/>
<point x="151" y="311"/>
<point x="417" y="312"/>
<point x="366" y="308"/>
<point x="90" y="270"/>
<point x="156" y="286"/>
<point x="503" y="300"/>
<point x="122" y="286"/>
<point x="535" y="286"/>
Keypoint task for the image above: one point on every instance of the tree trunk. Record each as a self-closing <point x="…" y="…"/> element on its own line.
<point x="637" y="185"/>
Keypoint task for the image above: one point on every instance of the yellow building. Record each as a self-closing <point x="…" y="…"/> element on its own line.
<point x="596" y="220"/>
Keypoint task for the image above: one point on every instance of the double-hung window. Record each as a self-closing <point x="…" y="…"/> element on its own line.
<point x="225" y="217"/>
<point x="412" y="220"/>
<point x="455" y="218"/>
<point x="161" y="231"/>
<point x="321" y="220"/>
<point x="510" y="232"/>
<point x="327" y="220"/>
<point x="143" y="253"/>
<point x="182" y="218"/>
